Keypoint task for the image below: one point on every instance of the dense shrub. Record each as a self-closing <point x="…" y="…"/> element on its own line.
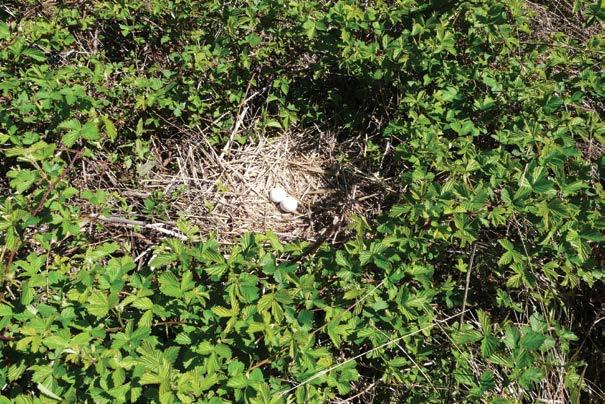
<point x="480" y="284"/>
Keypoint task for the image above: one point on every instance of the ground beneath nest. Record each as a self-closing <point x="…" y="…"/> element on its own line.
<point x="225" y="192"/>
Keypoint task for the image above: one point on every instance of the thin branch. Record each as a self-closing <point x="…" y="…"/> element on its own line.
<point x="116" y="220"/>
<point x="468" y="281"/>
<point x="242" y="110"/>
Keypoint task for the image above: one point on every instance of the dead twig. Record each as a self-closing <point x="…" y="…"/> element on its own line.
<point x="468" y="281"/>
<point x="116" y="220"/>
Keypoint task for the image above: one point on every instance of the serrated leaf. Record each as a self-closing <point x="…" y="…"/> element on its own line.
<point x="27" y="293"/>
<point x="55" y="342"/>
<point x="170" y="285"/>
<point x="530" y="376"/>
<point x="364" y="257"/>
<point x="118" y="376"/>
<point x="272" y="123"/>
<point x="205" y="347"/>
<point x="208" y="381"/>
<point x="501" y="360"/>
<point x="98" y="304"/>
<point x="150" y="378"/>
<point x="35" y="54"/>
<point x="22" y="180"/>
<point x="183" y="339"/>
<point x="71" y="124"/>
<point x="264" y="302"/>
<point x="532" y="340"/>
<point x="16" y="371"/>
<point x="5" y="310"/>
<point x="465" y="377"/>
<point x="466" y="335"/>
<point x="398" y="362"/>
<point x="90" y="131"/>
<point x="48" y="392"/>
<point x="487" y="381"/>
<point x="4" y="31"/>
<point x="223" y="311"/>
<point x="238" y="382"/>
<point x="146" y="319"/>
<point x="143" y="303"/>
<point x="70" y="138"/>
<point x="223" y="351"/>
<point x="552" y="104"/>
<point x="110" y="128"/>
<point x="161" y="260"/>
<point x="489" y="345"/>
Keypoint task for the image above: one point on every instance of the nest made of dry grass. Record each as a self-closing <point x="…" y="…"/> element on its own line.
<point x="225" y="192"/>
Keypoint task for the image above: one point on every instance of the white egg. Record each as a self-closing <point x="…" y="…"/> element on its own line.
<point x="289" y="204"/>
<point x="278" y="194"/>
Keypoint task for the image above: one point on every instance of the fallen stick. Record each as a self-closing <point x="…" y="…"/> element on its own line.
<point x="117" y="220"/>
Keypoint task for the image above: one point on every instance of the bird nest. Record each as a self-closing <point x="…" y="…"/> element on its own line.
<point x="226" y="192"/>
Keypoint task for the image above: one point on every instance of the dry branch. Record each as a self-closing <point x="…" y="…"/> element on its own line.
<point x="120" y="221"/>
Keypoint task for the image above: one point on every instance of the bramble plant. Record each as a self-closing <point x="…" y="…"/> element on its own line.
<point x="482" y="282"/>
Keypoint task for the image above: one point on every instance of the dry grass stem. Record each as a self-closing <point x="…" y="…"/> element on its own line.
<point x="227" y="194"/>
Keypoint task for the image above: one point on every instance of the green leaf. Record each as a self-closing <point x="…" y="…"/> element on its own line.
<point x="15" y="371"/>
<point x="532" y="340"/>
<point x="487" y="381"/>
<point x="530" y="376"/>
<point x="309" y="27"/>
<point x="272" y="123"/>
<point x="238" y="382"/>
<point x="489" y="345"/>
<point x="578" y="244"/>
<point x="161" y="260"/>
<point x="110" y="128"/>
<point x="4" y="31"/>
<point x="208" y="381"/>
<point x="5" y="310"/>
<point x="35" y="54"/>
<point x="552" y="104"/>
<point x="170" y="285"/>
<point x="143" y="303"/>
<point x="98" y="304"/>
<point x="70" y="138"/>
<point x="183" y="339"/>
<point x="502" y="360"/>
<point x="27" y="293"/>
<point x="56" y="342"/>
<point x="264" y="302"/>
<point x="223" y="311"/>
<point x="253" y="39"/>
<point x="150" y="378"/>
<point x="48" y="392"/>
<point x="146" y="319"/>
<point x="22" y="180"/>
<point x="379" y="304"/>
<point x="72" y="124"/>
<point x="90" y="131"/>
<point x="465" y="376"/>
<point x="118" y="377"/>
<point x="466" y="335"/>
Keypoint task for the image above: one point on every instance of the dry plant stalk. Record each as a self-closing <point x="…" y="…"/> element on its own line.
<point x="228" y="195"/>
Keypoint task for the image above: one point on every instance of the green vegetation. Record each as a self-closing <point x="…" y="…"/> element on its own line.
<point x="483" y="281"/>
